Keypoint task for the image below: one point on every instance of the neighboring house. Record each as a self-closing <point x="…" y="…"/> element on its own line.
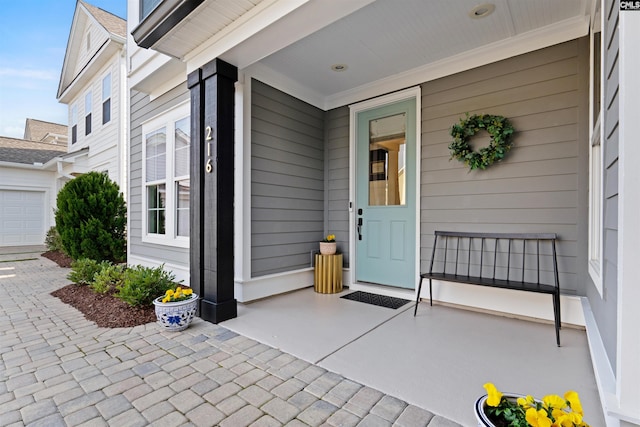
<point x="38" y="130"/>
<point x="28" y="188"/>
<point x="278" y="100"/>
<point x="93" y="86"/>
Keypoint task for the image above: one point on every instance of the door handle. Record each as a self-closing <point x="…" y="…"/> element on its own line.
<point x="359" y="228"/>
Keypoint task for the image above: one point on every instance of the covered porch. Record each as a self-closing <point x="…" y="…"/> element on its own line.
<point x="438" y="360"/>
<point x="303" y="71"/>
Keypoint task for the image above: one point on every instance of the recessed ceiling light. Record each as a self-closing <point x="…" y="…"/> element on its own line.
<point x="339" y="67"/>
<point x="482" y="11"/>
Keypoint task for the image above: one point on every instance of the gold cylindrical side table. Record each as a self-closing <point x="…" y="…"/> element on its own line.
<point x="328" y="274"/>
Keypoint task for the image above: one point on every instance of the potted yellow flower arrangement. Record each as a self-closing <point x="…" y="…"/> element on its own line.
<point x="176" y="308"/>
<point x="328" y="245"/>
<point x="508" y="410"/>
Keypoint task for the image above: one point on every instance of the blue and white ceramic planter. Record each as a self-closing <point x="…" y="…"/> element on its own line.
<point x="176" y="316"/>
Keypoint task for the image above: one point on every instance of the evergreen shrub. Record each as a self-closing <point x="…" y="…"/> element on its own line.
<point x="91" y="217"/>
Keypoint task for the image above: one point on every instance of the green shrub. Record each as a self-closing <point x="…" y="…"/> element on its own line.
<point x="142" y="285"/>
<point x="52" y="241"/>
<point x="91" y="218"/>
<point x="84" y="270"/>
<point x="108" y="279"/>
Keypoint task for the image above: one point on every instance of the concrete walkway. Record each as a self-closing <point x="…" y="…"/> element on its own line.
<point x="58" y="369"/>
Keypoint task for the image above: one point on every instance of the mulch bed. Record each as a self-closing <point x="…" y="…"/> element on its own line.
<point x="59" y="258"/>
<point x="105" y="310"/>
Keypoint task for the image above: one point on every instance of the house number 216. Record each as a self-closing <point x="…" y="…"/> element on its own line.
<point x="208" y="167"/>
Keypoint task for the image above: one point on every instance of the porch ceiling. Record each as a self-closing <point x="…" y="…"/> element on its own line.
<point x="376" y="40"/>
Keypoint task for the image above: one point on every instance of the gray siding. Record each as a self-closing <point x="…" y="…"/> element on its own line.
<point x="539" y="186"/>
<point x="337" y="180"/>
<point x="141" y="110"/>
<point x="287" y="181"/>
<point x="605" y="307"/>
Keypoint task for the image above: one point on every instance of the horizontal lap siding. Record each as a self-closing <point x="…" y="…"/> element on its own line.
<point x="338" y="178"/>
<point x="141" y="110"/>
<point x="537" y="187"/>
<point x="287" y="181"/>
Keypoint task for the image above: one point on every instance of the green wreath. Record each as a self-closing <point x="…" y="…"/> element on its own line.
<point x="501" y="132"/>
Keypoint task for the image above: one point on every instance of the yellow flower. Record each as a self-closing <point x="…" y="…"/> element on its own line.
<point x="527" y="402"/>
<point x="187" y="291"/>
<point x="494" y="396"/>
<point x="166" y="299"/>
<point x="538" y="418"/>
<point x="169" y="292"/>
<point x="553" y="401"/>
<point x="574" y="401"/>
<point x="567" y="419"/>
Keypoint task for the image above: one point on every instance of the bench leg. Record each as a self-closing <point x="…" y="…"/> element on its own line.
<point x="556" y="315"/>
<point x="430" y="293"/>
<point x="415" y="310"/>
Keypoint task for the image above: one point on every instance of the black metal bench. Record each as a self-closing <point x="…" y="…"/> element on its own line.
<point x="499" y="260"/>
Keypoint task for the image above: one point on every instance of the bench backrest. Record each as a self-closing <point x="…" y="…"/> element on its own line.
<point x="514" y="257"/>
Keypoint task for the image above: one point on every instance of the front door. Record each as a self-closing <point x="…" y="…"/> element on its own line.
<point x="385" y="194"/>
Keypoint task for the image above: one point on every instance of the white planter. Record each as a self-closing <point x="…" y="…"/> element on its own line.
<point x="483" y="419"/>
<point x="176" y="316"/>
<point x="327" y="248"/>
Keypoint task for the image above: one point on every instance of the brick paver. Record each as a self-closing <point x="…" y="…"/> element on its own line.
<point x="57" y="368"/>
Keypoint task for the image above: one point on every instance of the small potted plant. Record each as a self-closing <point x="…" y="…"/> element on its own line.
<point x="328" y="245"/>
<point x="495" y="409"/>
<point x="176" y="308"/>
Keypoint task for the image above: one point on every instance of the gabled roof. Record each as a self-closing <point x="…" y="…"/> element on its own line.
<point x="112" y="23"/>
<point x="113" y="35"/>
<point x="21" y="151"/>
<point x="38" y="130"/>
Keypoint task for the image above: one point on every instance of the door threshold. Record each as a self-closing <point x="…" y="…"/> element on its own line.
<point x="385" y="290"/>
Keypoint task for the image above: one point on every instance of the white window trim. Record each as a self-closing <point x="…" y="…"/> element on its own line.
<point x="103" y="99"/>
<point x="74" y="122"/>
<point x="166" y="120"/>
<point x="88" y="111"/>
<point x="596" y="167"/>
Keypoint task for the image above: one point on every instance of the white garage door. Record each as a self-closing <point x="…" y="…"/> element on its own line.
<point x="21" y="218"/>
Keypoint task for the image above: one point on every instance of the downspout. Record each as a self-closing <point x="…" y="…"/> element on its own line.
<point x="124" y="124"/>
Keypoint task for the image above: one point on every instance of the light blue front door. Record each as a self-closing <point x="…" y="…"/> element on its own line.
<point x="386" y="194"/>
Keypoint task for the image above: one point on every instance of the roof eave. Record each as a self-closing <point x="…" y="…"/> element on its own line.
<point x="162" y="20"/>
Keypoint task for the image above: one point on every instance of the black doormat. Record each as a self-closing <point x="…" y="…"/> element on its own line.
<point x="374" y="299"/>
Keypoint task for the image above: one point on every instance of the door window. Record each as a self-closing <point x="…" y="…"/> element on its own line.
<point x="387" y="160"/>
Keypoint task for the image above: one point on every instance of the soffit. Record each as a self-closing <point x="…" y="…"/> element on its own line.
<point x="383" y="39"/>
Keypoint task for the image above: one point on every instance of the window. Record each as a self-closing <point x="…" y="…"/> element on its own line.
<point x="595" y="162"/>
<point x="74" y="124"/>
<point x="166" y="145"/>
<point x="147" y="6"/>
<point x="88" y="99"/>
<point x="106" y="99"/>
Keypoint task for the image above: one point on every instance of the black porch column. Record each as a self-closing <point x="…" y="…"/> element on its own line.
<point x="212" y="187"/>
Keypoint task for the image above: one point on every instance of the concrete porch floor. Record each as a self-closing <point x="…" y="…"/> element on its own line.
<point x="438" y="360"/>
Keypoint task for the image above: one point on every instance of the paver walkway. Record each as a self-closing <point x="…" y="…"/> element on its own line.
<point x="57" y="369"/>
